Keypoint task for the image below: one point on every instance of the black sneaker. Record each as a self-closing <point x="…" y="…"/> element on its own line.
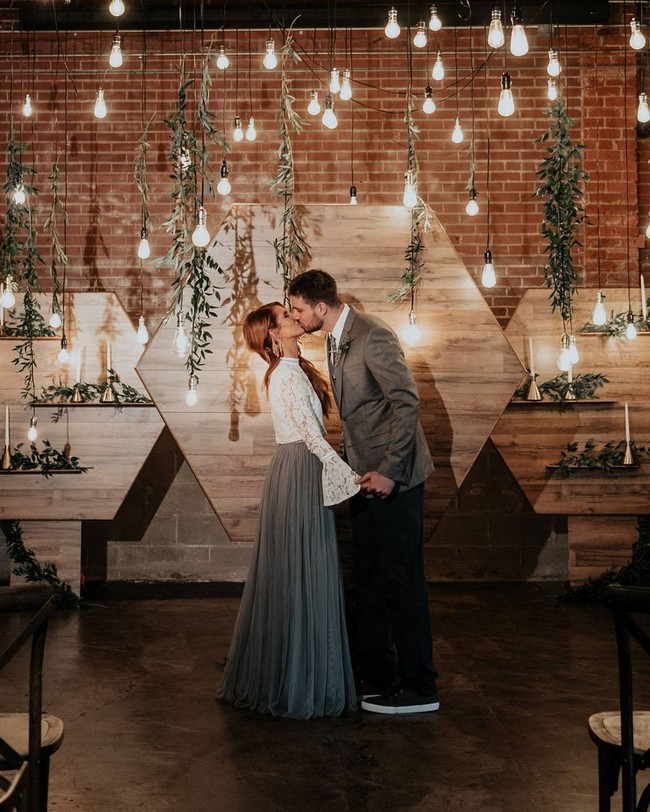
<point x="401" y="701"/>
<point x="367" y="689"/>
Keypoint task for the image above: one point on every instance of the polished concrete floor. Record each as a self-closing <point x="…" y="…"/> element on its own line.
<point x="134" y="683"/>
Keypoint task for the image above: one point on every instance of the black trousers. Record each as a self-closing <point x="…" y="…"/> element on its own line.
<point x="393" y="627"/>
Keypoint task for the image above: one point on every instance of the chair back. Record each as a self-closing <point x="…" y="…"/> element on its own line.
<point x="626" y="602"/>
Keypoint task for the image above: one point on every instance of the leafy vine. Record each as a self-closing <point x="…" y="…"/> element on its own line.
<point x="45" y="460"/>
<point x="59" y="259"/>
<point x="605" y="459"/>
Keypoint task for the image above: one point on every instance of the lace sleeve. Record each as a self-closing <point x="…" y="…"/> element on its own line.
<point x="338" y="477"/>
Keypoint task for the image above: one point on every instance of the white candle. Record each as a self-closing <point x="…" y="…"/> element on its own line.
<point x="627" y="424"/>
<point x="644" y="306"/>
<point x="108" y="356"/>
<point x="570" y="373"/>
<point x="6" y="427"/>
<point x="531" y="358"/>
<point x="78" y="375"/>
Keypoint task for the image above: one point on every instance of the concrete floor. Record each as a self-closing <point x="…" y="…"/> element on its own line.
<point x="134" y="683"/>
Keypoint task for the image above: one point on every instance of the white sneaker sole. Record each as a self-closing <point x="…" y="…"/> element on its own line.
<point x="395" y="709"/>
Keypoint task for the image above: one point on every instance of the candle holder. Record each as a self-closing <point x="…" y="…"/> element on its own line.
<point x="628" y="458"/>
<point x="5" y="463"/>
<point x="533" y="392"/>
<point x="570" y="394"/>
<point x="77" y="396"/>
<point x="108" y="395"/>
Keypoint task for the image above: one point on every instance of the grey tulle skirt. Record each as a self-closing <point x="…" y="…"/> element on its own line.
<point x="289" y="654"/>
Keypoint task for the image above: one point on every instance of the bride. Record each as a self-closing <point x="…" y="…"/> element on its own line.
<point x="289" y="654"/>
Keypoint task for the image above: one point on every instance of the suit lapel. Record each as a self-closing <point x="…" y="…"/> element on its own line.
<point x="336" y="373"/>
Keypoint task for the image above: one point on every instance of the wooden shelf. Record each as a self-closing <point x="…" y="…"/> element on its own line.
<point x="586" y="468"/>
<point x="85" y="404"/>
<point x="548" y="403"/>
<point x="34" y="338"/>
<point x="17" y="471"/>
<point x="610" y="335"/>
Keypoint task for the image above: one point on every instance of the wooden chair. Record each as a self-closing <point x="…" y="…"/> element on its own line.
<point x="623" y="736"/>
<point x="27" y="740"/>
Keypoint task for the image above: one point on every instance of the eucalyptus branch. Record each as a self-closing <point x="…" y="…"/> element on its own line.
<point x="606" y="459"/>
<point x="210" y="131"/>
<point x="59" y="258"/>
<point x="140" y="174"/>
<point x="45" y="460"/>
<point x="616" y="325"/>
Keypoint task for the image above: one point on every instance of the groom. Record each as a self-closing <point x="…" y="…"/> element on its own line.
<point x="383" y="441"/>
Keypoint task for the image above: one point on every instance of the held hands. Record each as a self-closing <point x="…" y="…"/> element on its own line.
<point x="377" y="484"/>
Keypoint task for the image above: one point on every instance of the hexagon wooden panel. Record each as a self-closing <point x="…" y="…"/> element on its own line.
<point x="113" y="443"/>
<point x="531" y="437"/>
<point x="465" y="369"/>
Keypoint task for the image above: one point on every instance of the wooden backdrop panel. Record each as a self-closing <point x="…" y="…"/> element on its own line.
<point x="464" y="367"/>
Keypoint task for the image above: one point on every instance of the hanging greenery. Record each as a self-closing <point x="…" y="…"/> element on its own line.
<point x="45" y="460"/>
<point x="292" y="251"/>
<point x="28" y="567"/>
<point x="635" y="573"/>
<point x="59" y="259"/>
<point x="606" y="459"/>
<point x="583" y="387"/>
<point x="562" y="189"/>
<point x="140" y="174"/>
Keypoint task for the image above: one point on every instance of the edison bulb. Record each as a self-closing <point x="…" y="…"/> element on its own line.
<point x="270" y="60"/>
<point x="563" y="361"/>
<point x="435" y="23"/>
<point x="472" y="204"/>
<point x="346" y="86"/>
<point x="115" y="58"/>
<point x="181" y="343"/>
<point x="63" y="355"/>
<point x="496" y="37"/>
<point x="457" y="134"/>
<point x="335" y="82"/>
<point x="251" y="132"/>
<point x="55" y="320"/>
<point x="410" y="197"/>
<point x="142" y="335"/>
<point x="599" y="316"/>
<point x="518" y="40"/>
<point x="630" y="331"/>
<point x="643" y="111"/>
<point x="420" y="38"/>
<point x="506" y="101"/>
<point x="223" y="187"/>
<point x="438" y="71"/>
<point x="144" y="249"/>
<point x="329" y="116"/>
<point x="553" y="68"/>
<point x="574" y="355"/>
<point x="201" y="235"/>
<point x="392" y="29"/>
<point x="551" y="90"/>
<point x="353" y="195"/>
<point x="637" y="40"/>
<point x="191" y="397"/>
<point x="116" y="8"/>
<point x="222" y="59"/>
<point x="7" y="300"/>
<point x="27" y="106"/>
<point x="32" y="432"/>
<point x="313" y="108"/>
<point x="412" y="333"/>
<point x="428" y="105"/>
<point x="100" y="104"/>
<point x="488" y="277"/>
<point x="237" y="133"/>
<point x="19" y="195"/>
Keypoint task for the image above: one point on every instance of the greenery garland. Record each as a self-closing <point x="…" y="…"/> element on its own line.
<point x="583" y="387"/>
<point x="616" y="326"/>
<point x="29" y="568"/>
<point x="562" y="181"/>
<point x="45" y="460"/>
<point x="59" y="257"/>
<point x="92" y="392"/>
<point x="635" y="573"/>
<point x="292" y="251"/>
<point x="607" y="459"/>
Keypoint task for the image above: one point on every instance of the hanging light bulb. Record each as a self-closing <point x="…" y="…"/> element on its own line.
<point x="472" y="205"/>
<point x="420" y="38"/>
<point x="237" y="132"/>
<point x="438" y="71"/>
<point x="32" y="432"/>
<point x="144" y="249"/>
<point x="223" y="187"/>
<point x="353" y="195"/>
<point x="181" y="342"/>
<point x="116" y="7"/>
<point x="637" y="40"/>
<point x="428" y="105"/>
<point x="222" y="59"/>
<point x="574" y="355"/>
<point x="410" y="197"/>
<point x="329" y="116"/>
<point x="496" y="37"/>
<point x="518" y="38"/>
<point x="553" y="68"/>
<point x="27" y="106"/>
<point x="313" y="108"/>
<point x="346" y="86"/>
<point x="192" y="396"/>
<point x="8" y="300"/>
<point x="506" y="101"/>
<point x="335" y="82"/>
<point x="142" y="335"/>
<point x="270" y="60"/>
<point x="643" y="111"/>
<point x="63" y="355"/>
<point x="551" y="90"/>
<point x="599" y="316"/>
<point x="392" y="29"/>
<point x="19" y="195"/>
<point x="55" y="320"/>
<point x="412" y="333"/>
<point x="488" y="277"/>
<point x="115" y="58"/>
<point x="435" y="23"/>
<point x="457" y="134"/>
<point x="630" y="331"/>
<point x="251" y="132"/>
<point x="201" y="235"/>
<point x="100" y="104"/>
<point x="564" y="359"/>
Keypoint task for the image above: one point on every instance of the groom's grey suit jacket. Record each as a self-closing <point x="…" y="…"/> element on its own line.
<point x="378" y="402"/>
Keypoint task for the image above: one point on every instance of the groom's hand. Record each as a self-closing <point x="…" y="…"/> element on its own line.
<point x="377" y="484"/>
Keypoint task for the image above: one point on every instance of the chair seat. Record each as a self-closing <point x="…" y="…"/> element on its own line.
<point x="14" y="729"/>
<point x="606" y="728"/>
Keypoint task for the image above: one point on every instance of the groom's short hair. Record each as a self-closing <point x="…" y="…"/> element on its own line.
<point x="315" y="286"/>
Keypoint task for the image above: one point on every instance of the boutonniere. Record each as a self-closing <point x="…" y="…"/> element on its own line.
<point x="342" y="348"/>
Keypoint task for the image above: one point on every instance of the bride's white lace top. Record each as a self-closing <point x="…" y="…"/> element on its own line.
<point x="297" y="415"/>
